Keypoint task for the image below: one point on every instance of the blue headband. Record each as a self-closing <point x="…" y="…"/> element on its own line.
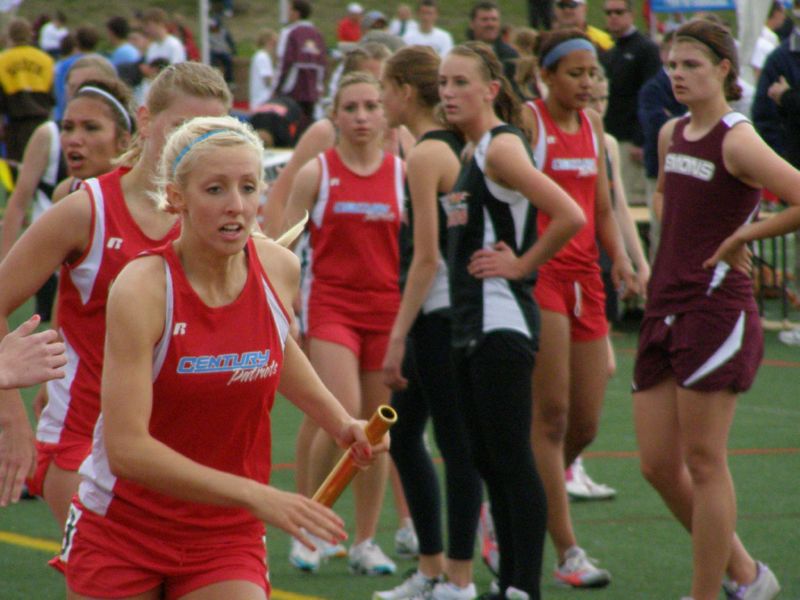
<point x="196" y="141"/>
<point x="564" y="48"/>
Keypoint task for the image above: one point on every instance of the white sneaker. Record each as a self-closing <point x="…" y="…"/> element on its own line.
<point x="450" y="591"/>
<point x="790" y="337"/>
<point x="513" y="593"/>
<point x="304" y="558"/>
<point x="415" y="586"/>
<point x="367" y="558"/>
<point x="764" y="587"/>
<point x="581" y="487"/>
<point x="328" y="550"/>
<point x="579" y="571"/>
<point x="406" y="544"/>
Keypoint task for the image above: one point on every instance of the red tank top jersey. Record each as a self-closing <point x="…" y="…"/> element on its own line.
<point x="703" y="205"/>
<point x="569" y="159"/>
<point x="355" y="254"/>
<point x="216" y="371"/>
<point x="116" y="238"/>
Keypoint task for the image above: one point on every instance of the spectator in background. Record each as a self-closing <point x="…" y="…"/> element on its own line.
<point x="261" y="69"/>
<point x="629" y="64"/>
<point x="277" y="122"/>
<point x="540" y="14"/>
<point x="86" y="39"/>
<point x="26" y="86"/>
<point x="124" y="52"/>
<point x="349" y="27"/>
<point x="302" y="59"/>
<point x="403" y="22"/>
<point x="428" y="34"/>
<point x="178" y="27"/>
<point x="656" y="105"/>
<point x="572" y="13"/>
<point x="52" y="32"/>
<point x="222" y="48"/>
<point x="768" y="40"/>
<point x="163" y="45"/>
<point x="374" y="28"/>
<point x="484" y="22"/>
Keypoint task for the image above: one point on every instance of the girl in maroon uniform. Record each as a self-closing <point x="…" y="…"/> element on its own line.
<point x="701" y="342"/>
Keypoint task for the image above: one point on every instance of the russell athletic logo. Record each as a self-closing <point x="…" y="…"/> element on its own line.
<point x="690" y="166"/>
<point x="244" y="367"/>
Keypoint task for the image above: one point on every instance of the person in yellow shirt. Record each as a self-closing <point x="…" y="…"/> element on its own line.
<point x="26" y="86"/>
<point x="572" y="13"/>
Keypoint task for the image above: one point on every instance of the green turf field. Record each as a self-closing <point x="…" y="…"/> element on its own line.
<point x="634" y="536"/>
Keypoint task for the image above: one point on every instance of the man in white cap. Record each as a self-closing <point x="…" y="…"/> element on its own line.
<point x="349" y="28"/>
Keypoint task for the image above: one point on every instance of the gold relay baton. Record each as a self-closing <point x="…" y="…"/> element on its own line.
<point x="344" y="471"/>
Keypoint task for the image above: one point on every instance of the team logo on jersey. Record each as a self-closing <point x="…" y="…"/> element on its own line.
<point x="334" y="181"/>
<point x="114" y="243"/>
<point x="455" y="207"/>
<point x="244" y="367"/>
<point x="551" y="139"/>
<point x="311" y="47"/>
<point x="370" y="210"/>
<point x="179" y="329"/>
<point x="584" y="167"/>
<point x="690" y="166"/>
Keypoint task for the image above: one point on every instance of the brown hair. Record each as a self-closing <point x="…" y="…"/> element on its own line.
<point x="181" y="79"/>
<point x="550" y="39"/>
<point x="19" y="31"/>
<point x="506" y="103"/>
<point x="354" y="59"/>
<point x="418" y="66"/>
<point x="718" y="43"/>
<point x="524" y="40"/>
<point x="353" y="78"/>
<point x="120" y="92"/>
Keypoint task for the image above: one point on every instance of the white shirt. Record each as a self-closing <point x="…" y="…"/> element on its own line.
<point x="51" y="35"/>
<point x="170" y="49"/>
<point x="765" y="44"/>
<point x="396" y="24"/>
<point x="438" y="39"/>
<point x="260" y="69"/>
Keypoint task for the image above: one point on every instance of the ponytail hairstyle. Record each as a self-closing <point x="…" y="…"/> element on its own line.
<point x="417" y="66"/>
<point x="506" y="103"/>
<point x="717" y="42"/>
<point x="196" y="138"/>
<point x="174" y="82"/>
<point x="117" y="96"/>
<point x="548" y="47"/>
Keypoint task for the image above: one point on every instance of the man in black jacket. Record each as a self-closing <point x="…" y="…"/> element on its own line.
<point x="629" y="64"/>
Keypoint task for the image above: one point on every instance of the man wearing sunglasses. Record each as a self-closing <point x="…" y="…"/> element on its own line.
<point x="632" y="61"/>
<point x="572" y="14"/>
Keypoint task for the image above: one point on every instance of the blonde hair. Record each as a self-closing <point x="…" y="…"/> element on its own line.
<point x="182" y="79"/>
<point x="354" y="78"/>
<point x="194" y="139"/>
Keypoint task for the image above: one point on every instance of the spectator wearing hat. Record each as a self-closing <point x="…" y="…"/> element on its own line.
<point x="374" y="28"/>
<point x="349" y="28"/>
<point x="403" y="22"/>
<point x="428" y="34"/>
<point x="572" y="14"/>
<point x="26" y="84"/>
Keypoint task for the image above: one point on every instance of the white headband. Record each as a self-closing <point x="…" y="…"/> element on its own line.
<point x="117" y="104"/>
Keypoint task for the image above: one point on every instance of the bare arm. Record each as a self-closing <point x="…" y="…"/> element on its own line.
<point x="508" y="164"/>
<point x="431" y="168"/>
<point x="605" y="224"/>
<point x="34" y="164"/>
<point x="304" y="193"/>
<point x="135" y="318"/>
<point x="299" y="382"/>
<point x="749" y="158"/>
<point x="317" y="138"/>
<point x="664" y="138"/>
<point x="60" y="233"/>
<point x="622" y="213"/>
